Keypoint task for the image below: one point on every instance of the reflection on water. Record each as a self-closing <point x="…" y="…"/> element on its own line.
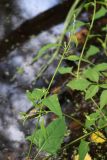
<point x="13" y="84"/>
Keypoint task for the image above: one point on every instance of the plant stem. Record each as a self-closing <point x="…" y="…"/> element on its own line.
<point x="84" y="136"/>
<point x="74" y="119"/>
<point x="66" y="24"/>
<point x="84" y="46"/>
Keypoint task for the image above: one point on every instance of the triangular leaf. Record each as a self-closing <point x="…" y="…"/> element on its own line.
<point x="65" y="70"/>
<point x="36" y="95"/>
<point x="101" y="122"/>
<point x="91" y="119"/>
<point x="103" y="85"/>
<point x="52" y="103"/>
<point x="101" y="67"/>
<point x="92" y="51"/>
<point x="55" y="133"/>
<point x="100" y="13"/>
<point x="79" y="84"/>
<point x="91" y="91"/>
<point x="91" y="74"/>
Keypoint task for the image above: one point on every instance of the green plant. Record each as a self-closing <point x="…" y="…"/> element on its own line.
<point x="89" y="79"/>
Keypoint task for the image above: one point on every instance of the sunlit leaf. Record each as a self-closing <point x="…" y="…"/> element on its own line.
<point x="52" y="103"/>
<point x="78" y="84"/>
<point x="101" y="67"/>
<point x="101" y="122"/>
<point x="103" y="85"/>
<point x="36" y="95"/>
<point x="83" y="149"/>
<point x="91" y="119"/>
<point x="92" y="51"/>
<point x="100" y="13"/>
<point x="91" y="91"/>
<point x="98" y="137"/>
<point x="103" y="98"/>
<point x="65" y="70"/>
<point x="91" y="74"/>
<point x="72" y="58"/>
<point x="51" y="142"/>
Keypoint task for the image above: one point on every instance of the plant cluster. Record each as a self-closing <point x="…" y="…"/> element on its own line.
<point x="88" y="78"/>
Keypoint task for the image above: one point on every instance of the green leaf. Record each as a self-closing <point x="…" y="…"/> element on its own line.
<point x="44" y="49"/>
<point x="101" y="67"/>
<point x="104" y="28"/>
<point x="54" y="136"/>
<point x="65" y="70"/>
<point x="83" y="149"/>
<point x="79" y="84"/>
<point x="103" y="98"/>
<point x="43" y="129"/>
<point x="52" y="103"/>
<point x="91" y="91"/>
<point x="100" y="13"/>
<point x="91" y="74"/>
<point x="91" y="119"/>
<point x="103" y="85"/>
<point x="92" y="51"/>
<point x="72" y="58"/>
<point x="36" y="94"/>
<point x="101" y="122"/>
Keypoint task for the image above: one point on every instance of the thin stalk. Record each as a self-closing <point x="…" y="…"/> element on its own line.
<point x="84" y="136"/>
<point x="74" y="119"/>
<point x="66" y="24"/>
<point x="62" y="57"/>
<point x="84" y="46"/>
<point x="78" y="139"/>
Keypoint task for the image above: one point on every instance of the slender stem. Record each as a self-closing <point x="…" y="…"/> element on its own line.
<point x="66" y="24"/>
<point x="62" y="57"/>
<point x="84" y="136"/>
<point x="74" y="119"/>
<point x="84" y="46"/>
<point x="76" y="140"/>
<point x="55" y="74"/>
